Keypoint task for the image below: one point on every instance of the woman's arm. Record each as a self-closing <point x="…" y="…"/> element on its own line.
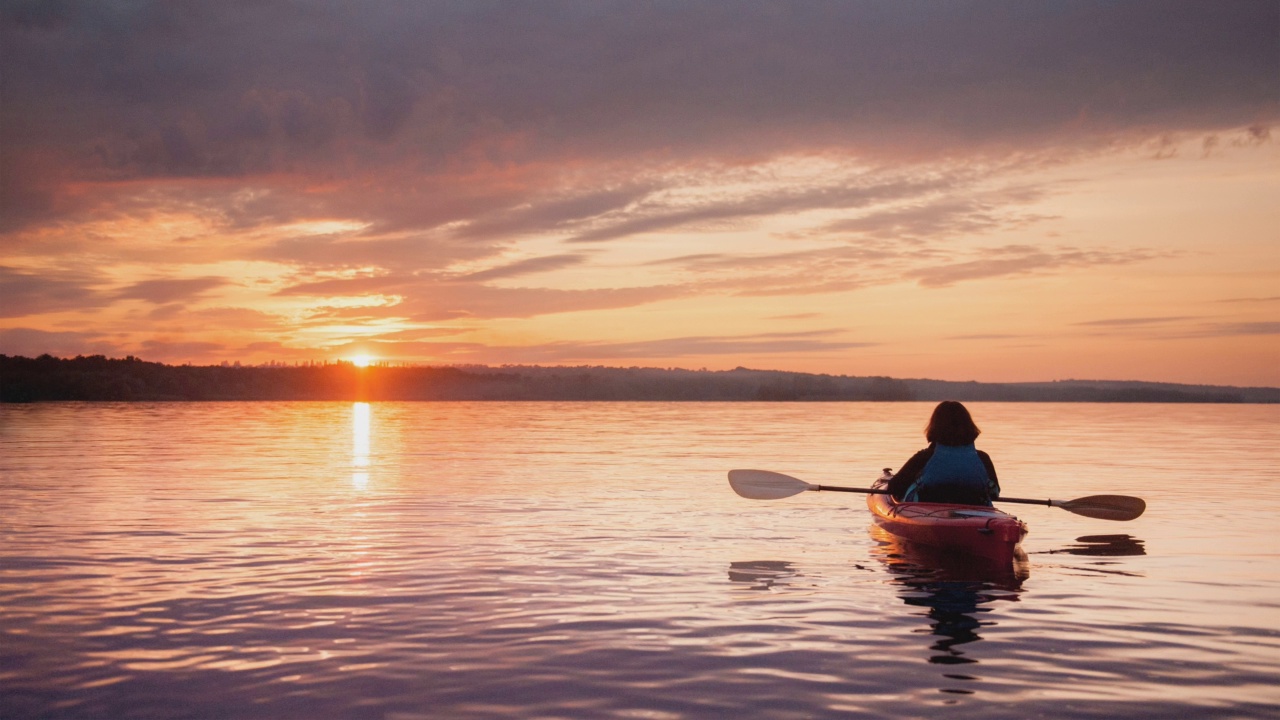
<point x="909" y="472"/>
<point x="993" y="483"/>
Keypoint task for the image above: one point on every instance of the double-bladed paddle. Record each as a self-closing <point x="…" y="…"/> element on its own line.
<point x="768" y="485"/>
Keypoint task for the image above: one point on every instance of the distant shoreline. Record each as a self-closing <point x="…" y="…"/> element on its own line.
<point x="98" y="378"/>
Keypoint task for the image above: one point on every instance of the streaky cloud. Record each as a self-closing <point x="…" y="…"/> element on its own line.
<point x="169" y="290"/>
<point x="678" y="347"/>
<point x="395" y="253"/>
<point x="940" y="218"/>
<point x="439" y="302"/>
<point x="180" y="349"/>
<point x="1274" y="298"/>
<point x="675" y="348"/>
<point x="986" y="336"/>
<point x="34" y="293"/>
<point x="657" y="215"/>
<point x="31" y="342"/>
<point x="1236" y="329"/>
<point x="530" y="266"/>
<point x="352" y="286"/>
<point x="554" y="213"/>
<point x="1023" y="260"/>
<point x="1132" y="322"/>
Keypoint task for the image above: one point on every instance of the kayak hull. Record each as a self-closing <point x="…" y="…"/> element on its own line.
<point x="972" y="530"/>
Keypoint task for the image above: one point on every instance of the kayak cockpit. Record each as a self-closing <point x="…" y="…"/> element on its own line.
<point x="968" y="529"/>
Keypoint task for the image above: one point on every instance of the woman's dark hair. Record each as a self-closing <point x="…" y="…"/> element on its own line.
<point x="951" y="424"/>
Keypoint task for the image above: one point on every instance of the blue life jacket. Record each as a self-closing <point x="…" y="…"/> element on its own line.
<point x="955" y="474"/>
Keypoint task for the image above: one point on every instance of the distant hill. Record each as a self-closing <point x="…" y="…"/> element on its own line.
<point x="98" y="378"/>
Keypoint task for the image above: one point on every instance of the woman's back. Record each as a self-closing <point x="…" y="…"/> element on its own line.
<point x="954" y="474"/>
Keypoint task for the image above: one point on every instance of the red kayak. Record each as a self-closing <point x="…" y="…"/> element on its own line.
<point x="969" y="529"/>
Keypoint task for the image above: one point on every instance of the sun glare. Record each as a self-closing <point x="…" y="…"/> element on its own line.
<point x="362" y="360"/>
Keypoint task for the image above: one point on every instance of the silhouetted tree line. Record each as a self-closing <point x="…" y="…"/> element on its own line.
<point x="98" y="378"/>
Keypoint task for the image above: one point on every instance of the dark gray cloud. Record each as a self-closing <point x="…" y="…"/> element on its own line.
<point x="345" y="94"/>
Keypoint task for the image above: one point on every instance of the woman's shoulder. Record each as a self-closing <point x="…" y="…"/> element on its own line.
<point x="924" y="454"/>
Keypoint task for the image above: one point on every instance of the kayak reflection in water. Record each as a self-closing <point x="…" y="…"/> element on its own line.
<point x="953" y="616"/>
<point x="956" y="592"/>
<point x="951" y="469"/>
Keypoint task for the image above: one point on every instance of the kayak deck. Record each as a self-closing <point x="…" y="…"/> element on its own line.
<point x="970" y="529"/>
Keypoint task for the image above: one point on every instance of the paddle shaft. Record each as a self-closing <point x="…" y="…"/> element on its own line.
<point x="865" y="491"/>
<point x="880" y="491"/>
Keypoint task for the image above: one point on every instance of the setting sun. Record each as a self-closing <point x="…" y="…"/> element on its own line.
<point x="362" y="360"/>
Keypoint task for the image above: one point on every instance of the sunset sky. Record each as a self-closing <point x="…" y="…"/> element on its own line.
<point x="994" y="191"/>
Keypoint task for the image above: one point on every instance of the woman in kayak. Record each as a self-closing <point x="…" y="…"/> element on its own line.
<point x="951" y="469"/>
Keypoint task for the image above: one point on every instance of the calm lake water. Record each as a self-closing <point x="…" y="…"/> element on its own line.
<point x="584" y="560"/>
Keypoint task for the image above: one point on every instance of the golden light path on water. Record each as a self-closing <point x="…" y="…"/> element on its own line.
<point x="361" y="439"/>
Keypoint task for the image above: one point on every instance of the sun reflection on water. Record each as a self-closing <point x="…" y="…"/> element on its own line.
<point x="360" y="441"/>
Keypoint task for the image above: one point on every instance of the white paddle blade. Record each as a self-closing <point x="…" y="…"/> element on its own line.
<point x="766" y="485"/>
